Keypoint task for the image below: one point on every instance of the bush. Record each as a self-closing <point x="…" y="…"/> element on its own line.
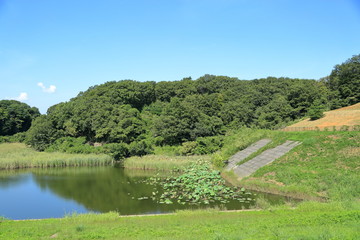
<point x="18" y="137"/>
<point x="4" y="139"/>
<point x="188" y="148"/>
<point x="42" y="133"/>
<point x="207" y="145"/>
<point x="202" y="145"/>
<point x="118" y="151"/>
<point x="140" y="148"/>
<point x="218" y="160"/>
<point x="72" y="145"/>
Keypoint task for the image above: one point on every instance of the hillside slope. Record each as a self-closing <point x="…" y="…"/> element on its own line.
<point x="347" y="116"/>
<point x="325" y="165"/>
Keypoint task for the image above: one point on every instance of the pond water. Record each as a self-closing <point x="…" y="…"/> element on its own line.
<point x="56" y="192"/>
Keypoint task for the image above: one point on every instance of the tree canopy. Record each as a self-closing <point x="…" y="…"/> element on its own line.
<point x="137" y="115"/>
<point x="168" y="113"/>
<point x="16" y="117"/>
<point x="344" y="80"/>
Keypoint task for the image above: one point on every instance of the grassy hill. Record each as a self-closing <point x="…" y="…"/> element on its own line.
<point x="324" y="166"/>
<point x="339" y="118"/>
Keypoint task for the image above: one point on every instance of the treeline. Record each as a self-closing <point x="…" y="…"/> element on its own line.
<point x="16" y="117"/>
<point x="130" y="117"/>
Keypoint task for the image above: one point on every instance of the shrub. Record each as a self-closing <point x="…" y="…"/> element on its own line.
<point x="218" y="160"/>
<point x="42" y="133"/>
<point x="202" y="145"/>
<point x="140" y="148"/>
<point x="118" y="151"/>
<point x="18" y="137"/>
<point x="4" y="139"/>
<point x="188" y="148"/>
<point x="72" y="145"/>
<point x="207" y="145"/>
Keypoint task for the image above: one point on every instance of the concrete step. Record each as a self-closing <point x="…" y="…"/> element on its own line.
<point x="264" y="158"/>
<point x="241" y="155"/>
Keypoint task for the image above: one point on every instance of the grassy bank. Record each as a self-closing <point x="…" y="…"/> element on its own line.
<point x="325" y="165"/>
<point x="162" y="162"/>
<point x="308" y="221"/>
<point x="17" y="155"/>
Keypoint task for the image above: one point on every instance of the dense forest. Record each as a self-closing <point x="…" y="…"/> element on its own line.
<point x="16" y="117"/>
<point x="129" y="117"/>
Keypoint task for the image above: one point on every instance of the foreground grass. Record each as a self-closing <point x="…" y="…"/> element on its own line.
<point x="162" y="162"/>
<point x="308" y="221"/>
<point x="326" y="165"/>
<point x="17" y="155"/>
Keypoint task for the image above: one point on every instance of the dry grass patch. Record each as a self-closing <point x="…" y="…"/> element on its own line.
<point x="350" y="152"/>
<point x="347" y="118"/>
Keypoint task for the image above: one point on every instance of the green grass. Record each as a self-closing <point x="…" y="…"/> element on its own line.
<point x="279" y="137"/>
<point x="308" y="221"/>
<point x="167" y="150"/>
<point x="17" y="155"/>
<point x="326" y="165"/>
<point x="162" y="162"/>
<point x="238" y="140"/>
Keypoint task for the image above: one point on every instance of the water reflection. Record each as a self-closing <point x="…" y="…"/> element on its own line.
<point x="12" y="178"/>
<point x="43" y="193"/>
<point x="98" y="189"/>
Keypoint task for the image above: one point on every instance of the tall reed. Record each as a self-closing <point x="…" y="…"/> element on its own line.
<point x="17" y="155"/>
<point x="161" y="162"/>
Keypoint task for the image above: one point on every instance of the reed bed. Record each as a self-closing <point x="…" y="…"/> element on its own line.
<point x="18" y="155"/>
<point x="162" y="162"/>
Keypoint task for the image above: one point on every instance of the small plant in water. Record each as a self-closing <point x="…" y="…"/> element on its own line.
<point x="199" y="184"/>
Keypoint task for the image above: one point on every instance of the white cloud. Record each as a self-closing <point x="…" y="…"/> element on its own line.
<point x="22" y="97"/>
<point x="50" y="89"/>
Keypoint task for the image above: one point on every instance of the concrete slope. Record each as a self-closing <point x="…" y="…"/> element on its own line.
<point x="264" y="158"/>
<point x="241" y="155"/>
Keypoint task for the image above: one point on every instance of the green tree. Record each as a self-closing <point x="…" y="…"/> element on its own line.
<point x="275" y="114"/>
<point x="316" y="110"/>
<point x="345" y="81"/>
<point x="42" y="133"/>
<point x="16" y="117"/>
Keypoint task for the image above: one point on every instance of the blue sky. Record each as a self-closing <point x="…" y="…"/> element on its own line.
<point x="50" y="50"/>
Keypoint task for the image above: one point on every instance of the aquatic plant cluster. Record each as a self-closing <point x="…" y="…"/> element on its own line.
<point x="198" y="184"/>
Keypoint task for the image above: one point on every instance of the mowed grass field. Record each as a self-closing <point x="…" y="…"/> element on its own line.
<point x="347" y="116"/>
<point x="308" y="221"/>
